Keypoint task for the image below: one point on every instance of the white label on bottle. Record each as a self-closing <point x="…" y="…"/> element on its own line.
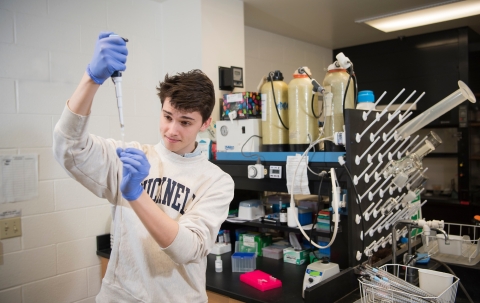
<point x="218" y="266"/>
<point x="328" y="107"/>
<point x="283" y="217"/>
<point x="234" y="98"/>
<point x="264" y="107"/>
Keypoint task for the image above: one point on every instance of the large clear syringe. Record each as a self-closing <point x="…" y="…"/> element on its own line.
<point x="461" y="94"/>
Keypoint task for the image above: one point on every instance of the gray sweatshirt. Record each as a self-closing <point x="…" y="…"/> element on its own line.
<point x="190" y="190"/>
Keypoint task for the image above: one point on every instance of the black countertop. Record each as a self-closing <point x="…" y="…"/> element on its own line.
<point x="228" y="283"/>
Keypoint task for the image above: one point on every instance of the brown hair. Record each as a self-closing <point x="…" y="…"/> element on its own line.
<point x="191" y="91"/>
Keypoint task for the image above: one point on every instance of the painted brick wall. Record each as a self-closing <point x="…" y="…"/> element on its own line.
<point x="45" y="46"/>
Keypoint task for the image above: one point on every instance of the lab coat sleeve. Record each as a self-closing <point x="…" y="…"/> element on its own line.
<point x="199" y="226"/>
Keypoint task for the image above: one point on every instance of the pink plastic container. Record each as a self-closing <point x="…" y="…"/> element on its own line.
<point x="260" y="280"/>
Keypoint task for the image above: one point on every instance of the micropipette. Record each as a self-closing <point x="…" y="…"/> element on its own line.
<point x="117" y="81"/>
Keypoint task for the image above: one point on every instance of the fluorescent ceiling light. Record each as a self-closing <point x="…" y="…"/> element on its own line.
<point x="424" y="16"/>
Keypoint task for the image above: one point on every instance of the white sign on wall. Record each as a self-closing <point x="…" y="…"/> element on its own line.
<point x="18" y="177"/>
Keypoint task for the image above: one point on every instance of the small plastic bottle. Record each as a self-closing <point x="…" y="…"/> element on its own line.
<point x="218" y="264"/>
<point x="220" y="237"/>
<point x="226" y="236"/>
<point x="366" y="100"/>
<point x="283" y="216"/>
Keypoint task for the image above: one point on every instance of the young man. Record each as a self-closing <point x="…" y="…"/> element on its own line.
<point x="169" y="201"/>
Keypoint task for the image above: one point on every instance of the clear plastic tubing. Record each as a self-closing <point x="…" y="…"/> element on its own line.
<point x="445" y="105"/>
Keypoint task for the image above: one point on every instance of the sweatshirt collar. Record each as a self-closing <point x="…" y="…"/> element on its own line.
<point x="196" y="151"/>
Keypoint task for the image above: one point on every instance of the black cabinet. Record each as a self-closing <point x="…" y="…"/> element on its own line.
<point x="431" y="63"/>
<point x="246" y="188"/>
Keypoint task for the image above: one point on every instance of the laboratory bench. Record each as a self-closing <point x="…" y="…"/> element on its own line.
<point x="342" y="288"/>
<point x="228" y="283"/>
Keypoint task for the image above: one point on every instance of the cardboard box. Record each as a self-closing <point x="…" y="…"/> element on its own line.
<point x="248" y="241"/>
<point x="246" y="104"/>
<point x="290" y="255"/>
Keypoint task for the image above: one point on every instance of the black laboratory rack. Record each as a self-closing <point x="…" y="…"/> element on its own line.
<point x="354" y="124"/>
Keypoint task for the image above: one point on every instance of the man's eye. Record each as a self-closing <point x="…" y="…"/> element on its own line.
<point x="186" y="123"/>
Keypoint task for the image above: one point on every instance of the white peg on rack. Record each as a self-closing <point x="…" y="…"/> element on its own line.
<point x="392" y="220"/>
<point x="392" y="205"/>
<point x="368" y="190"/>
<point x="387" y="240"/>
<point x="399" y="198"/>
<point x="381" y="155"/>
<point x="370" y="194"/>
<point x="366" y="213"/>
<point x="358" y="136"/>
<point x="392" y="189"/>
<point x="370" y="157"/>
<point x="357" y="158"/>
<point x="370" y="247"/>
<point x="390" y="118"/>
<point x="385" y="136"/>
<point x="355" y="178"/>
<point x="400" y="154"/>
<point x="372" y="228"/>
<point x="384" y="221"/>
<point x="388" y="207"/>
<point x="381" y="207"/>
<point x="401" y="105"/>
<point x="399" y="233"/>
<point x="383" y="191"/>
<point x="382" y="224"/>
<point x="395" y="218"/>
<point x="365" y="114"/>
<point x="385" y="110"/>
<point x="374" y="172"/>
<point x="390" y="155"/>
<point x="410" y="107"/>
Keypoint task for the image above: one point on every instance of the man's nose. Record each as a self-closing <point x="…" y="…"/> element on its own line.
<point x="175" y="127"/>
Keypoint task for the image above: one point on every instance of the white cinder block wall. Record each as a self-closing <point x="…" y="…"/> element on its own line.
<point x="45" y="46"/>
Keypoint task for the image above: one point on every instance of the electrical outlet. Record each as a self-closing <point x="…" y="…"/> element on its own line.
<point x="10" y="227"/>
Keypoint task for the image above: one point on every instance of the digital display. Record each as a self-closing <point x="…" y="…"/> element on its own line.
<point x="275" y="172"/>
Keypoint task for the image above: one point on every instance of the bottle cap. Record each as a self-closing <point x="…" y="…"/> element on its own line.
<point x="365" y="96"/>
<point x="277" y="76"/>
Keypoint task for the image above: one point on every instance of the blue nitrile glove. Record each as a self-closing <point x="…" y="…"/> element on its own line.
<point x="110" y="55"/>
<point x="135" y="170"/>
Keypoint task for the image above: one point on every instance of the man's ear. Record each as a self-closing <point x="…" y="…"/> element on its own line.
<point x="206" y="124"/>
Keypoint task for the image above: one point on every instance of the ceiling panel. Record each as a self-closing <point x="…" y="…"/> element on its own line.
<point x="331" y="23"/>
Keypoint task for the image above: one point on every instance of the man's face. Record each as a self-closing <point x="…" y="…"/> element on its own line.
<point x="179" y="129"/>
